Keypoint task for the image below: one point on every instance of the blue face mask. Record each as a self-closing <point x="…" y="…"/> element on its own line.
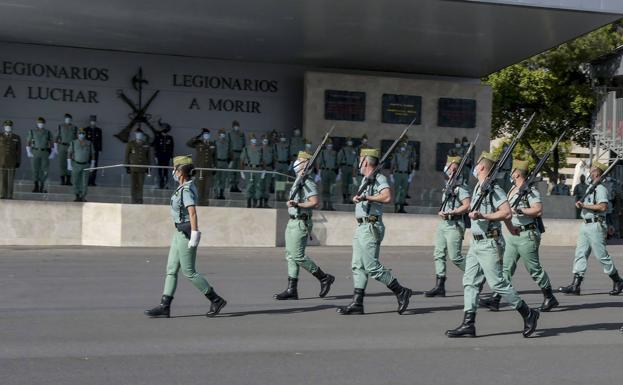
<point x="175" y="177"/>
<point x="474" y="173"/>
<point x="81" y="136"/>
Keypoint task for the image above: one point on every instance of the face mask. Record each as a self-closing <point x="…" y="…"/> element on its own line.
<point x="92" y="124"/>
<point x="298" y="166"/>
<point x="361" y="167"/>
<point x="446" y="170"/>
<point x="349" y="143"/>
<point x="308" y="146"/>
<point x="474" y="173"/>
<point x="403" y="149"/>
<point x="364" y="140"/>
<point x="222" y="136"/>
<point x="206" y="136"/>
<point x="264" y="141"/>
<point x="236" y="128"/>
<point x="511" y="179"/>
<point x="465" y="144"/>
<point x="329" y="147"/>
<point x="457" y="145"/>
<point x="40" y="125"/>
<point x="253" y="141"/>
<point x="175" y="177"/>
<point x="297" y="133"/>
<point x="282" y="140"/>
<point x="139" y="137"/>
<point x="81" y="136"/>
<point x="67" y="120"/>
<point x="8" y="128"/>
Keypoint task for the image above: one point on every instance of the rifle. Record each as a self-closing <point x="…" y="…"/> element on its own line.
<point x="591" y="187"/>
<point x="370" y="179"/>
<point x="300" y="182"/>
<point x="454" y="181"/>
<point x="487" y="186"/>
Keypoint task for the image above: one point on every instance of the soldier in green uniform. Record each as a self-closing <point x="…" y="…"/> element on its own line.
<point x="593" y="236"/>
<point x="297" y="144"/>
<point x="66" y="133"/>
<point x="328" y="175"/>
<point x="401" y="168"/>
<point x="298" y="230"/>
<point x="183" y="251"/>
<point x="363" y="144"/>
<point x="137" y="152"/>
<point x="524" y="239"/>
<point x="40" y="148"/>
<point x="237" y="142"/>
<point x="10" y="159"/>
<point x="368" y="237"/>
<point x="451" y="228"/>
<point x="94" y="134"/>
<point x="266" y="179"/>
<point x="484" y="256"/>
<point x="251" y="159"/>
<point x="205" y="158"/>
<point x="80" y="155"/>
<point x="282" y="161"/>
<point x="223" y="157"/>
<point x="347" y="161"/>
<point x="561" y="187"/>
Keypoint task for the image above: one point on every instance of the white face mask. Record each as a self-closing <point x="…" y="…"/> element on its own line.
<point x="329" y="147"/>
<point x="364" y="140"/>
<point x="282" y="140"/>
<point x="457" y="145"/>
<point x="222" y="136"/>
<point x="67" y="120"/>
<point x="349" y="143"/>
<point x="511" y="179"/>
<point x="403" y="149"/>
<point x="81" y="136"/>
<point x="308" y="145"/>
<point x="206" y="136"/>
<point x="40" y="125"/>
<point x="92" y="124"/>
<point x="446" y="170"/>
<point x="8" y="128"/>
<point x="139" y="136"/>
<point x="297" y="133"/>
<point x="175" y="177"/>
<point x="264" y="141"/>
<point x="474" y="173"/>
<point x="253" y="141"/>
<point x="236" y="128"/>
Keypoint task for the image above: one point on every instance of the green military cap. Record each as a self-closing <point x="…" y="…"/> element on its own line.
<point x="599" y="165"/>
<point x="82" y="129"/>
<point x="68" y="115"/>
<point x="8" y="122"/>
<point x="364" y="136"/>
<point x="454" y="159"/>
<point x="373" y="152"/>
<point x="205" y="130"/>
<point x="40" y="120"/>
<point x="486" y="155"/>
<point x="304" y="155"/>
<point x="519" y="164"/>
<point x="182" y="160"/>
<point x="221" y="130"/>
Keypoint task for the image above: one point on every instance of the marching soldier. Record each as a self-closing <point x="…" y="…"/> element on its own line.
<point x="137" y="152"/>
<point x="363" y="143"/>
<point x="205" y="158"/>
<point x="297" y="231"/>
<point x="40" y="148"/>
<point x="10" y="159"/>
<point x="328" y="174"/>
<point x="251" y="159"/>
<point x="297" y="144"/>
<point x="237" y="142"/>
<point x="347" y="160"/>
<point x="266" y="179"/>
<point x="368" y="237"/>
<point x="524" y="239"/>
<point x="482" y="260"/>
<point x="79" y="155"/>
<point x="593" y="236"/>
<point x="164" y="146"/>
<point x="451" y="228"/>
<point x="401" y="168"/>
<point x="67" y="132"/>
<point x="223" y="157"/>
<point x="94" y="135"/>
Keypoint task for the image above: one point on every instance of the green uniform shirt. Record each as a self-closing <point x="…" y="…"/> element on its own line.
<point x="80" y="152"/>
<point x="66" y="133"/>
<point x="10" y="150"/>
<point x="268" y="156"/>
<point x="347" y="157"/>
<point x="401" y="161"/>
<point x="282" y="150"/>
<point x="489" y="205"/>
<point x="206" y="152"/>
<point x="533" y="197"/>
<point x="137" y="153"/>
<point x="223" y="150"/>
<point x="307" y="191"/>
<point x="328" y="159"/>
<point x="183" y="197"/>
<point x="252" y="156"/>
<point x="40" y="138"/>
<point x="599" y="195"/>
<point x="461" y="192"/>
<point x="365" y="208"/>
<point x="236" y="140"/>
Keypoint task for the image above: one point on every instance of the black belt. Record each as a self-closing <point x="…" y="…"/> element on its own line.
<point x="450" y="217"/>
<point x="283" y="161"/>
<point x="184" y="228"/>
<point x="222" y="160"/>
<point x="529" y="226"/>
<point x="370" y="219"/>
<point x="41" y="149"/>
<point x="239" y="151"/>
<point x="65" y="144"/>
<point x="302" y="217"/>
<point x="80" y="162"/>
<point x="491" y="234"/>
<point x="252" y="166"/>
<point x="327" y="168"/>
<point x="401" y="172"/>
<point x="595" y="220"/>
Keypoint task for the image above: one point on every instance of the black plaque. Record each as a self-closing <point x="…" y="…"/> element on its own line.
<point x="413" y="145"/>
<point x="456" y="113"/>
<point x="344" y="105"/>
<point x="401" y="109"/>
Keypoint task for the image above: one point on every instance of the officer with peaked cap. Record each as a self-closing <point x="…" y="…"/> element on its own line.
<point x="204" y="158"/>
<point x="137" y="152"/>
<point x="237" y="142"/>
<point x="10" y="159"/>
<point x="164" y="147"/>
<point x="66" y="133"/>
<point x="266" y="178"/>
<point x="223" y="158"/>
<point x="328" y="174"/>
<point x="80" y="155"/>
<point x="40" y="148"/>
<point x="94" y="135"/>
<point x="251" y="159"/>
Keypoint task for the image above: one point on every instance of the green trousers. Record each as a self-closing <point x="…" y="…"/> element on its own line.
<point x="7" y="178"/>
<point x="347" y="180"/>
<point x="40" y="165"/>
<point x="62" y="159"/>
<point x="265" y="185"/>
<point x="592" y="237"/>
<point x="297" y="232"/>
<point x="525" y="246"/>
<point x="253" y="188"/>
<point x="448" y="242"/>
<point x="366" y="247"/>
<point x="221" y="179"/>
<point x="204" y="185"/>
<point x="79" y="178"/>
<point x="401" y="186"/>
<point x="283" y="169"/>
<point x="138" y="180"/>
<point x="234" y="177"/>
<point x="181" y="256"/>
<point x="484" y="261"/>
<point x="327" y="179"/>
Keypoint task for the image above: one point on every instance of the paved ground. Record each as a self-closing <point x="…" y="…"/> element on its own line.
<point x="74" y="316"/>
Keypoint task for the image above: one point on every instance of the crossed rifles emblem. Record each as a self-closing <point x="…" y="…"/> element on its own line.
<point x="139" y="115"/>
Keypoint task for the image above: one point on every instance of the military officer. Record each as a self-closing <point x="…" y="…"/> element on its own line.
<point x="328" y="174"/>
<point x="164" y="146"/>
<point x="223" y="157"/>
<point x="237" y="142"/>
<point x="298" y="230"/>
<point x="40" y="148"/>
<point x="94" y="135"/>
<point x="297" y="144"/>
<point x="561" y="187"/>
<point x="593" y="236"/>
<point x="451" y="228"/>
<point x="67" y="132"/>
<point x="363" y="143"/>
<point x="401" y="168"/>
<point x="251" y="159"/>
<point x="578" y="192"/>
<point x="80" y="155"/>
<point x="205" y="158"/>
<point x="368" y="237"/>
<point x="524" y="239"/>
<point x="137" y="152"/>
<point x="10" y="159"/>
<point x="483" y="258"/>
<point x="266" y="179"/>
<point x="183" y="251"/>
<point x="282" y="157"/>
<point x="347" y="161"/>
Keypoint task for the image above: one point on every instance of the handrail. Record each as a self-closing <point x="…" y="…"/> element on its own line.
<point x="196" y="168"/>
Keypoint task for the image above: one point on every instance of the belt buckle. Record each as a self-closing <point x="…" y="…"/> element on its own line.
<point x="373" y="218"/>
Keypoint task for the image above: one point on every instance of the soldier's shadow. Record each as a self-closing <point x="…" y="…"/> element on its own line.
<point x="381" y="294"/>
<point x="278" y="311"/>
<point x="611" y="326"/>
<point x="581" y="306"/>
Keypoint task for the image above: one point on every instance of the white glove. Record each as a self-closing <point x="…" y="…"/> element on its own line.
<point x="52" y="154"/>
<point x="317" y="178"/>
<point x="230" y="164"/>
<point x="69" y="167"/>
<point x="339" y="176"/>
<point x="92" y="164"/>
<point x="29" y="152"/>
<point x="242" y="175"/>
<point x="149" y="172"/>
<point x="56" y="148"/>
<point x="354" y="180"/>
<point x="410" y="177"/>
<point x="263" y="174"/>
<point x="195" y="237"/>
<point x="391" y="178"/>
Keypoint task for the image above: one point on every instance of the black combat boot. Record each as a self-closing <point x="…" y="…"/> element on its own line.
<point x="291" y="292"/>
<point x="574" y="287"/>
<point x="530" y="318"/>
<point x="260" y="204"/>
<point x="440" y="288"/>
<point x="395" y="208"/>
<point x="249" y="202"/>
<point x="162" y="310"/>
<point x="401" y="208"/>
<point x="217" y="303"/>
<point x="326" y="280"/>
<point x="345" y="199"/>
<point x="617" y="283"/>
<point x="492" y="303"/>
<point x="402" y="295"/>
<point x="220" y="194"/>
<point x="355" y="307"/>
<point x="255" y="203"/>
<point x="77" y="198"/>
<point x="330" y="205"/>
<point x="549" y="301"/>
<point x="36" y="187"/>
<point x="266" y="206"/>
<point x="465" y="329"/>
